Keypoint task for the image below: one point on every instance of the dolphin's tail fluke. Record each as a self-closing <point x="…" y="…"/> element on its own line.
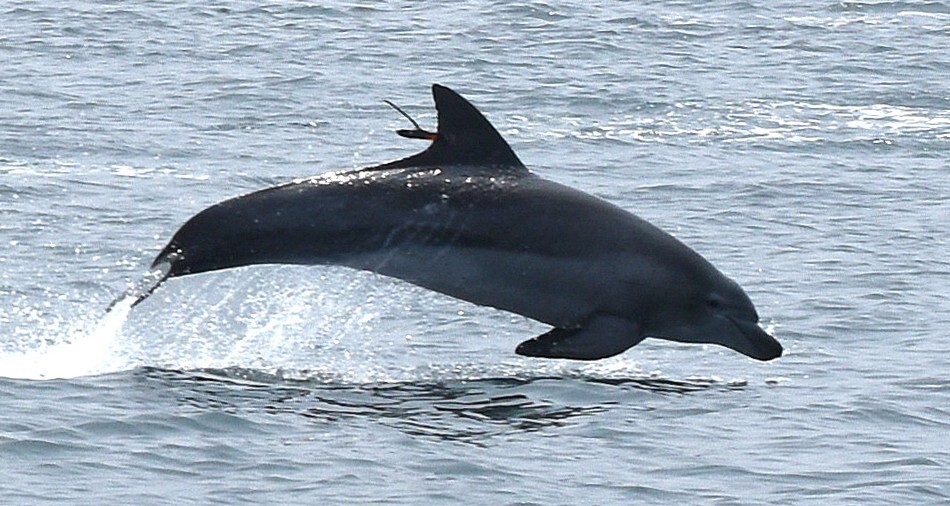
<point x="140" y="291"/>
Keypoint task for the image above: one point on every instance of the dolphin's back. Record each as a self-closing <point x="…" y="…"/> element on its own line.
<point x="514" y="241"/>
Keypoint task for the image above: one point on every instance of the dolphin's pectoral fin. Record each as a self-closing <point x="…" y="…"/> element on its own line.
<point x="600" y="336"/>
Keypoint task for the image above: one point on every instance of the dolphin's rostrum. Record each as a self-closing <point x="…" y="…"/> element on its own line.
<point x="466" y="218"/>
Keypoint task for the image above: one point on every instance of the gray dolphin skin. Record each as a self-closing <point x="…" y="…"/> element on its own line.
<point x="466" y="218"/>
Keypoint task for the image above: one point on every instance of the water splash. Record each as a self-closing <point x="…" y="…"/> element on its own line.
<point x="84" y="351"/>
<point x="260" y="320"/>
<point x="87" y="348"/>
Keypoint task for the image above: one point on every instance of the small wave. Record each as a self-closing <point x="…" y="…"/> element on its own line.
<point x="467" y="403"/>
<point x="788" y="122"/>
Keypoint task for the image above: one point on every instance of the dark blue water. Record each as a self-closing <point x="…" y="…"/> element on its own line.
<point x="801" y="148"/>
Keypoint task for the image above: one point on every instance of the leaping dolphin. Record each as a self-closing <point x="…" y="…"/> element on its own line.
<point x="466" y="218"/>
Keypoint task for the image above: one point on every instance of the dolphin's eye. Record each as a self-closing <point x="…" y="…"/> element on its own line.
<point x="713" y="303"/>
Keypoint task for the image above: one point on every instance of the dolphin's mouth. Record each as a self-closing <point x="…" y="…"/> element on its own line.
<point x="761" y="345"/>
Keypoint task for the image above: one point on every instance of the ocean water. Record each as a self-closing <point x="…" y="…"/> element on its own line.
<point x="801" y="147"/>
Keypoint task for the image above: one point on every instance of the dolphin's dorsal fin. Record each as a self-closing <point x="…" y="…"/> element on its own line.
<point x="464" y="137"/>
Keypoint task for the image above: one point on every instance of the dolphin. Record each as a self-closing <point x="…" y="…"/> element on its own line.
<point x="466" y="218"/>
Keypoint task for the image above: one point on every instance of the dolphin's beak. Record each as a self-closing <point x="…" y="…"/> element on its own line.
<point x="760" y="345"/>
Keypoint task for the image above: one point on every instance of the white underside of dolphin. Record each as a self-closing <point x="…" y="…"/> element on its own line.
<point x="467" y="219"/>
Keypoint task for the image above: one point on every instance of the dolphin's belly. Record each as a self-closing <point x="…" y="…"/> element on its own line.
<point x="557" y="291"/>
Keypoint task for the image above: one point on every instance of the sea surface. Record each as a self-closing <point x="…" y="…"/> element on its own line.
<point x="802" y="147"/>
